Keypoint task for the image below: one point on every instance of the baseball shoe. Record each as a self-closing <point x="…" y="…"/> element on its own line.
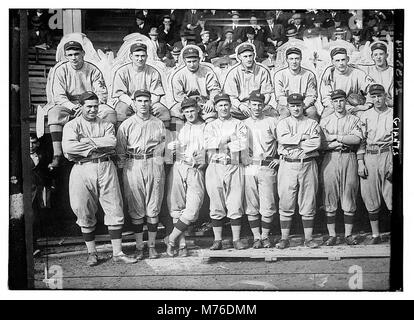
<point x="56" y="162"/>
<point x="350" y="241"/>
<point x="139" y="253"/>
<point x="257" y="244"/>
<point x="331" y="241"/>
<point x="217" y="245"/>
<point x="93" y="259"/>
<point x="152" y="253"/>
<point x="170" y="249"/>
<point x="183" y="252"/>
<point x="312" y="244"/>
<point x="124" y="259"/>
<point x="239" y="245"/>
<point x="266" y="243"/>
<point x="283" y="244"/>
<point x="374" y="240"/>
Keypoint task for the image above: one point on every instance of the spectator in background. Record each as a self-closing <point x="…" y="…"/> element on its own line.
<point x="208" y="47"/>
<point x="140" y="25"/>
<point x="282" y="17"/>
<point x="250" y="34"/>
<point x="39" y="35"/>
<point x="356" y="39"/>
<point x="270" y="61"/>
<point x="297" y="22"/>
<point x="228" y="45"/>
<point x="292" y="33"/>
<point x="316" y="30"/>
<point x="238" y="30"/>
<point x="43" y="17"/>
<point x="166" y="31"/>
<point x="160" y="45"/>
<point x="258" y="30"/>
<point x="338" y="23"/>
<point x="184" y="40"/>
<point x="172" y="61"/>
<point x="274" y="34"/>
<point x="148" y="16"/>
<point x="190" y="20"/>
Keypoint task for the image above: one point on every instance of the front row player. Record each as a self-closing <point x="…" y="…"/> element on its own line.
<point x="375" y="164"/>
<point x="140" y="147"/>
<point x="89" y="142"/>
<point x="341" y="136"/>
<point x="299" y="139"/>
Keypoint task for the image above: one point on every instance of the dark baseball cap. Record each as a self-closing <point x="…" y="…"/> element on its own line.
<point x="191" y="53"/>
<point x="138" y="47"/>
<point x="221" y="96"/>
<point x="293" y="50"/>
<point x="140" y="93"/>
<point x="336" y="51"/>
<point x="72" y="45"/>
<point x="88" y="95"/>
<point x="189" y="102"/>
<point x="295" y="98"/>
<point x="378" y="45"/>
<point x="245" y="47"/>
<point x="376" y="89"/>
<point x="256" y="96"/>
<point x="338" y="94"/>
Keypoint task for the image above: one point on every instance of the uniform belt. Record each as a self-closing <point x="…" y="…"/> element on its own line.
<point x="94" y="160"/>
<point x="140" y="156"/>
<point x="297" y="160"/>
<point x="188" y="163"/>
<point x="226" y="161"/>
<point x="264" y="162"/>
<point x="341" y="151"/>
<point x="379" y="150"/>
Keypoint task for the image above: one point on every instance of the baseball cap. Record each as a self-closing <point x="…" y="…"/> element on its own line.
<point x="176" y="51"/>
<point x="249" y="30"/>
<point x="293" y="50"/>
<point x="138" y="47"/>
<point x="140" y="93"/>
<point x="375" y="89"/>
<point x="191" y="52"/>
<point x="338" y="94"/>
<point x="72" y="45"/>
<point x="378" y="45"/>
<point x="88" y="95"/>
<point x="295" y="98"/>
<point x="189" y="102"/>
<point x="245" y="47"/>
<point x="336" y="51"/>
<point x="221" y="96"/>
<point x="256" y="96"/>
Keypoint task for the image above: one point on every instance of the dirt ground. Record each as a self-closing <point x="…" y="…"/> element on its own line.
<point x="193" y="273"/>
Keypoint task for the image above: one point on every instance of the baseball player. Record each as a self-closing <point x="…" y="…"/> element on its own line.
<point x="245" y="77"/>
<point x="133" y="76"/>
<point x="194" y="80"/>
<point x="295" y="79"/>
<point x="260" y="188"/>
<point x="89" y="142"/>
<point x="341" y="136"/>
<point x="70" y="79"/>
<point x="345" y="77"/>
<point x="225" y="141"/>
<point x="186" y="182"/>
<point x="299" y="139"/>
<point x="375" y="158"/>
<point x="140" y="147"/>
<point x="380" y="71"/>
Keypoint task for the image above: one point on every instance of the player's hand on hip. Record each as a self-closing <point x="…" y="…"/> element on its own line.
<point x="208" y="106"/>
<point x="274" y="164"/>
<point x="362" y="170"/>
<point x="156" y="109"/>
<point x="245" y="109"/>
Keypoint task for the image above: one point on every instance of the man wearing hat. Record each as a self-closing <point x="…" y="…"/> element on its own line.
<point x="245" y="77"/>
<point x="270" y="61"/>
<point x="238" y="30"/>
<point x="375" y="165"/>
<point x="159" y="46"/>
<point x="316" y="31"/>
<point x="260" y="189"/>
<point x="226" y="144"/>
<point x="173" y="61"/>
<point x="299" y="139"/>
<point x="228" y="45"/>
<point x="208" y="48"/>
<point x="338" y="23"/>
<point x="166" y="31"/>
<point x="186" y="182"/>
<point x="296" y="22"/>
<point x="39" y="34"/>
<point x="250" y="34"/>
<point x="140" y="148"/>
<point x="381" y="72"/>
<point x="194" y="80"/>
<point x="274" y="33"/>
<point x="89" y="142"/>
<point x="184" y="41"/>
<point x="140" y="26"/>
<point x="341" y="136"/>
<point x="259" y="33"/>
<point x="345" y="77"/>
<point x="191" y="18"/>
<point x="69" y="79"/>
<point x="133" y="76"/>
<point x="295" y="79"/>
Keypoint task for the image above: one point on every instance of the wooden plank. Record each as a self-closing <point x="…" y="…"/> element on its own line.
<point x="37" y="85"/>
<point x="37" y="79"/>
<point x="38" y="91"/>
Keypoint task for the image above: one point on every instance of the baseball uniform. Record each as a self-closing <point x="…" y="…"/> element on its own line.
<point x="186" y="183"/>
<point x="304" y="82"/>
<point x="127" y="80"/>
<point x="260" y="185"/>
<point x="376" y="150"/>
<point x="384" y="77"/>
<point x="68" y="84"/>
<point x="352" y="81"/>
<point x="225" y="173"/>
<point x="140" y="147"/>
<point x="94" y="176"/>
<point x="298" y="171"/>
<point x="202" y="84"/>
<point x="240" y="82"/>
<point x="339" y="170"/>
